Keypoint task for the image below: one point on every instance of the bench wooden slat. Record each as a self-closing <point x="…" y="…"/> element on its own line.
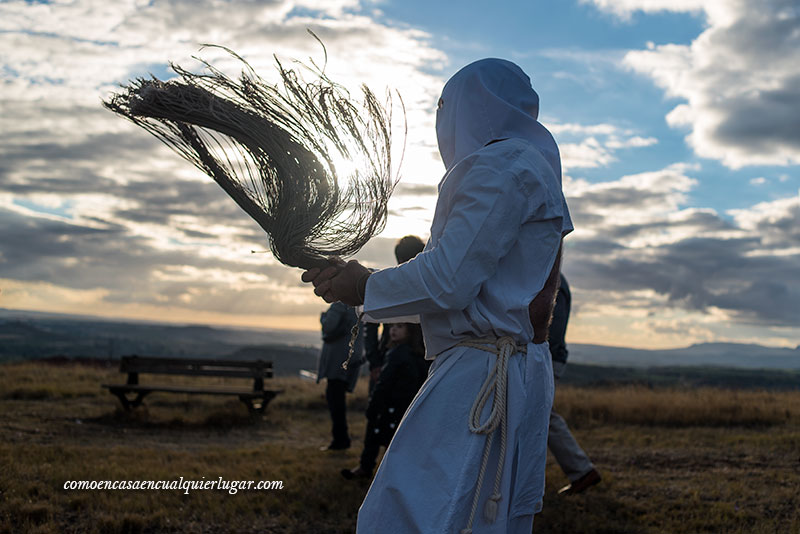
<point x="178" y="366"/>
<point x="188" y="389"/>
<point x="199" y="372"/>
<point x="206" y="361"/>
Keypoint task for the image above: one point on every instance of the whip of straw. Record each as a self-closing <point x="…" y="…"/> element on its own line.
<point x="274" y="149"/>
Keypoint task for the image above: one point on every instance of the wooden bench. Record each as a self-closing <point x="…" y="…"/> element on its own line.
<point x="256" y="398"/>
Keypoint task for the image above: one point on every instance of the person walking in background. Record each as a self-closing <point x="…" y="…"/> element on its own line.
<point x="570" y="457"/>
<point x="375" y="346"/>
<point x="337" y="324"/>
<point x="400" y="378"/>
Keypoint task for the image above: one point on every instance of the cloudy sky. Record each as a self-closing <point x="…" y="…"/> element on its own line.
<point x="678" y="121"/>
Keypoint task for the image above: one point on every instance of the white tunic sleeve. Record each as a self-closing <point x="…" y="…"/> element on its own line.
<point x="482" y="218"/>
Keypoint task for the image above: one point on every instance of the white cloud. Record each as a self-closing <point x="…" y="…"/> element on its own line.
<point x="777" y="221"/>
<point x="586" y="154"/>
<point x="739" y="78"/>
<point x="581" y="129"/>
<point x="632" y="142"/>
<point x="625" y="8"/>
<point x="594" y="145"/>
<point x="637" y="247"/>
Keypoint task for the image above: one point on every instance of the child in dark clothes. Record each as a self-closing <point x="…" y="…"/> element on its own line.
<point x="401" y="377"/>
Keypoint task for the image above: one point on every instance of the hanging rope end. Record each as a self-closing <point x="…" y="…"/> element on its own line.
<point x="490" y="510"/>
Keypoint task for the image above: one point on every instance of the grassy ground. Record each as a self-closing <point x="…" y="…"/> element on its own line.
<point x="672" y="461"/>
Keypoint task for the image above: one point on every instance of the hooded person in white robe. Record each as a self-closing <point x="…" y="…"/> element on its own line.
<point x="469" y="455"/>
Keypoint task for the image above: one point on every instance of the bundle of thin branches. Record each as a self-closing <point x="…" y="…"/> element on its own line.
<point x="275" y="148"/>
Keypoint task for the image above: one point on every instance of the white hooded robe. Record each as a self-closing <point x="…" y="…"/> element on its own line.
<point x="498" y="225"/>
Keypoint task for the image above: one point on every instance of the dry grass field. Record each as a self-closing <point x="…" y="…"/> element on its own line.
<point x="672" y="460"/>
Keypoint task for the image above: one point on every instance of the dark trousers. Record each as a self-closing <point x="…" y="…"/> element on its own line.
<point x="373" y="440"/>
<point x="377" y="436"/>
<point x="335" y="395"/>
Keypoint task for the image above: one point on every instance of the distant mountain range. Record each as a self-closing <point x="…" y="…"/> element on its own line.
<point x="733" y="355"/>
<point x="33" y="335"/>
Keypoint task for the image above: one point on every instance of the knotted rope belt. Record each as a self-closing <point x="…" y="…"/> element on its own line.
<point x="495" y="384"/>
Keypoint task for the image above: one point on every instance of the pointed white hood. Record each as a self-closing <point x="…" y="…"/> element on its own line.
<point x="490" y="100"/>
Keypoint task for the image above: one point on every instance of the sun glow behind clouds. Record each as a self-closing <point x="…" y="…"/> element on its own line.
<point x="97" y="215"/>
<point x="73" y="170"/>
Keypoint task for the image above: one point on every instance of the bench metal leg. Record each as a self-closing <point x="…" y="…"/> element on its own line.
<point x="249" y="403"/>
<point x="268" y="396"/>
<point x="127" y="403"/>
<point x="260" y="405"/>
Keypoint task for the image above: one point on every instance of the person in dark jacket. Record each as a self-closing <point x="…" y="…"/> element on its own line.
<point x="570" y="456"/>
<point x="337" y="324"/>
<point x="401" y="377"/>
<point x="375" y="346"/>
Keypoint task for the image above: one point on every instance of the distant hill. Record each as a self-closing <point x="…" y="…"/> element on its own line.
<point x="705" y="354"/>
<point x="28" y="335"/>
<point x="31" y="335"/>
<point x="682" y="377"/>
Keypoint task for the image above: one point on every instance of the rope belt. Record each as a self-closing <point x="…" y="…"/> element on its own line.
<point x="496" y="383"/>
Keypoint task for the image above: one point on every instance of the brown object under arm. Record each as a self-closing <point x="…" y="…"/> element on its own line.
<point x="540" y="310"/>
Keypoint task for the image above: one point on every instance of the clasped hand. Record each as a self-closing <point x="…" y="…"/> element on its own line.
<point x="345" y="282"/>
